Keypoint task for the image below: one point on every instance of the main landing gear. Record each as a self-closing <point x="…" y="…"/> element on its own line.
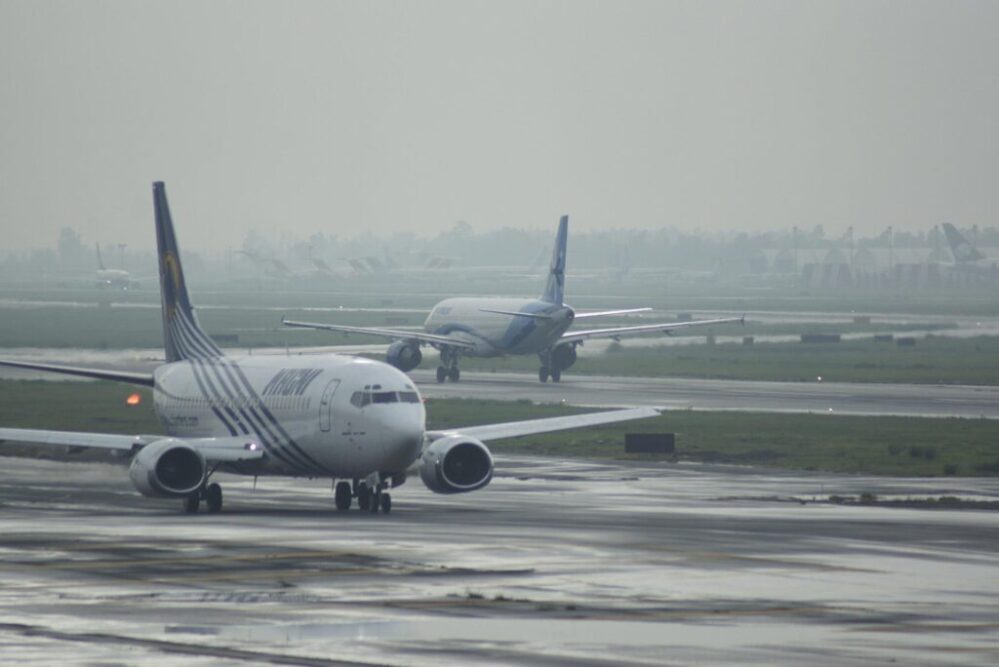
<point x="370" y="497"/>
<point x="448" y="370"/>
<point x="556" y="360"/>
<point x="211" y="494"/>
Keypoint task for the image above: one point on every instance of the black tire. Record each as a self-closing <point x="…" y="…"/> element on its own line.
<point x="342" y="496"/>
<point x="192" y="503"/>
<point x="363" y="497"/>
<point x="453" y="374"/>
<point x="556" y="375"/>
<point x="213" y="498"/>
<point x="441" y="374"/>
<point x="376" y="500"/>
<point x="386" y="503"/>
<point x="543" y="374"/>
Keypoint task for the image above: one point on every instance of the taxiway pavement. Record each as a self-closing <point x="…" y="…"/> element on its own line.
<point x="555" y="563"/>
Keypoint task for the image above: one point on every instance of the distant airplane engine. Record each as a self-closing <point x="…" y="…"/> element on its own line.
<point x="404" y="355"/>
<point x="168" y="469"/>
<point x="564" y="356"/>
<point x="456" y="464"/>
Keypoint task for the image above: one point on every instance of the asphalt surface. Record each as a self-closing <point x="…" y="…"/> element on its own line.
<point x="553" y="564"/>
<point x="683" y="393"/>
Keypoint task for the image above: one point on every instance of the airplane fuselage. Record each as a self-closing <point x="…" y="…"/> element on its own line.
<point x="496" y="334"/>
<point x="315" y="416"/>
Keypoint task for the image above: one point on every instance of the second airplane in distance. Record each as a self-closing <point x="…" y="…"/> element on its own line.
<point x="500" y="326"/>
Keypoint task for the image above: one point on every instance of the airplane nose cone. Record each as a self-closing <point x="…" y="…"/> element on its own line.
<point x="402" y="436"/>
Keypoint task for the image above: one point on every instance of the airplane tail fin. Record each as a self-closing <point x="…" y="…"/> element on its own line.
<point x="555" y="287"/>
<point x="962" y="249"/>
<point x="100" y="261"/>
<point x="183" y="337"/>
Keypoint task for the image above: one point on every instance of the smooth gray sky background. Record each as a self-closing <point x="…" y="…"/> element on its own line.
<point x="349" y="116"/>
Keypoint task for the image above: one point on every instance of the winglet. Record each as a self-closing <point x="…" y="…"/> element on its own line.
<point x="555" y="287"/>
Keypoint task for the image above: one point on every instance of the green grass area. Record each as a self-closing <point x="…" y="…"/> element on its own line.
<point x="875" y="445"/>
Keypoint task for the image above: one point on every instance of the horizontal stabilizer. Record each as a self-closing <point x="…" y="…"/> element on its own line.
<point x="143" y="379"/>
<point x="537" y="316"/>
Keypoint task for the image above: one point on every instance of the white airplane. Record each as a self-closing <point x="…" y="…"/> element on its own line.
<point x="496" y="326"/>
<point x="116" y="278"/>
<point x="357" y="421"/>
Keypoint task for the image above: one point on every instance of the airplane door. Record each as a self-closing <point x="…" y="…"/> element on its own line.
<point x="326" y="405"/>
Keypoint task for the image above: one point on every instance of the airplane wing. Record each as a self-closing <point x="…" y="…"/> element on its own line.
<point x="606" y="313"/>
<point x="395" y="334"/>
<point x="225" y="450"/>
<point x="640" y="329"/>
<point x="535" y="426"/>
<point x="143" y="379"/>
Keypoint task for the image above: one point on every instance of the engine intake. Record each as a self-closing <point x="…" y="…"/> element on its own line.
<point x="564" y="356"/>
<point x="168" y="469"/>
<point x="456" y="464"/>
<point x="404" y="355"/>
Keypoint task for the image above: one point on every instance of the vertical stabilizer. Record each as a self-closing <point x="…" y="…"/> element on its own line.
<point x="555" y="288"/>
<point x="183" y="337"/>
<point x="963" y="251"/>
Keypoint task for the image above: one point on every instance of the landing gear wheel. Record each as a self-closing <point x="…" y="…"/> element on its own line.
<point x="556" y="375"/>
<point x="376" y="500"/>
<point x="543" y="374"/>
<point x="213" y="498"/>
<point x="192" y="502"/>
<point x="453" y="374"/>
<point x="363" y="497"/>
<point x="342" y="496"/>
<point x="441" y="374"/>
<point x="386" y="503"/>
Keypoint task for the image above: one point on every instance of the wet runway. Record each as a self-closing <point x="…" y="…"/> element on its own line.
<point x="686" y="393"/>
<point x="553" y="564"/>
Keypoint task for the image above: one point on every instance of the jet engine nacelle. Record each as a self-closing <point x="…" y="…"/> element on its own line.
<point x="404" y="355"/>
<point x="456" y="464"/>
<point x="564" y="356"/>
<point x="168" y="469"/>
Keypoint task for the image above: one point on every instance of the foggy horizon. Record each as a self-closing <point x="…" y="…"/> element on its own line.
<point x="341" y="118"/>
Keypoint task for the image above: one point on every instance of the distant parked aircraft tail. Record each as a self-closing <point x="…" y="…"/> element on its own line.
<point x="962" y="249"/>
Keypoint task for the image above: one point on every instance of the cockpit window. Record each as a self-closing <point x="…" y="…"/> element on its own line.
<point x="362" y="398"/>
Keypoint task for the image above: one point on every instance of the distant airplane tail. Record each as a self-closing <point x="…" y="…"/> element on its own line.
<point x="183" y="337"/>
<point x="962" y="249"/>
<point x="555" y="287"/>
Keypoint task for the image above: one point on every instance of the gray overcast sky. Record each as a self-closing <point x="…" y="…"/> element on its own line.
<point x="351" y="116"/>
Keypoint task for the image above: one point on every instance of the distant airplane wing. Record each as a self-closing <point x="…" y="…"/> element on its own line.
<point x="607" y="313"/>
<point x="535" y="426"/>
<point x="223" y="450"/>
<point x="143" y="379"/>
<point x="395" y="334"/>
<point x="638" y="330"/>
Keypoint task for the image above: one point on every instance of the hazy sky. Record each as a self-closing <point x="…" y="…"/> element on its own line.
<point x="351" y="116"/>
